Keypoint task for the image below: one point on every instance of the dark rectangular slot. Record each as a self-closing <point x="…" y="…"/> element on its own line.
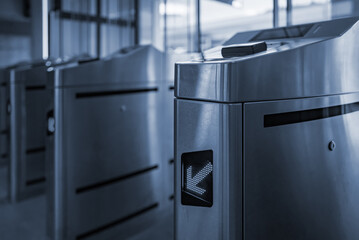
<point x="4" y="155"/>
<point x="114" y="180"/>
<point x="5" y="131"/>
<point x="96" y="19"/>
<point x="116" y="92"/>
<point x="279" y="119"/>
<point x="116" y="222"/>
<point x="35" y="181"/>
<point x="171" y="161"/>
<point x="171" y="197"/>
<point x="171" y="88"/>
<point x="35" y="150"/>
<point x="39" y="87"/>
<point x="3" y="84"/>
<point x="88" y="60"/>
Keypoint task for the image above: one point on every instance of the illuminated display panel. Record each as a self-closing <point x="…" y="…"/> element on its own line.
<point x="197" y="178"/>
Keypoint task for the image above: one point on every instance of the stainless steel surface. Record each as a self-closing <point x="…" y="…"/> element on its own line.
<point x="99" y="72"/>
<point x="27" y="131"/>
<point x="275" y="13"/>
<point x="4" y="138"/>
<point x="289" y="12"/>
<point x="322" y="62"/>
<point x="203" y="126"/>
<point x="110" y="174"/>
<point x="285" y="168"/>
<point x="295" y="187"/>
<point x="16" y="176"/>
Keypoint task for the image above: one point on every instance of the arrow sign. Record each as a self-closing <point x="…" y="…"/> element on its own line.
<point x="197" y="178"/>
<point x="202" y="174"/>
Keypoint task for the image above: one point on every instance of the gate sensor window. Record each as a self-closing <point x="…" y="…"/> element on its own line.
<point x="279" y="33"/>
<point x="197" y="178"/>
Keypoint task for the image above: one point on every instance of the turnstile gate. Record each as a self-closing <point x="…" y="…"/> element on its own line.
<point x="266" y="141"/>
<point x="27" y="89"/>
<point x="22" y="131"/>
<point x="28" y="98"/>
<point x="4" y="138"/>
<point x="109" y="175"/>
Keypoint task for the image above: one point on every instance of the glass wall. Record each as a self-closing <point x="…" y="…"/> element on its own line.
<point x="220" y="19"/>
<point x="91" y="27"/>
<point x="181" y="26"/>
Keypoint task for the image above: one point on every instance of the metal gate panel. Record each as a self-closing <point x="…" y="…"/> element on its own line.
<point x="28" y="96"/>
<point x="302" y="168"/>
<point x="108" y="173"/>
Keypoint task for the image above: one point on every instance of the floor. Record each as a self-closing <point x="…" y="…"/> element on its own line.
<point x="27" y="220"/>
<point x="23" y="220"/>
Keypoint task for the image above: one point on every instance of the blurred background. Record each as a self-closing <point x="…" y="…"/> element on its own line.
<point x="137" y="40"/>
<point x="33" y="29"/>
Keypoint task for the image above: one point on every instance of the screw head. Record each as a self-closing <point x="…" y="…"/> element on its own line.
<point x="123" y="108"/>
<point x="8" y="107"/>
<point x="331" y="145"/>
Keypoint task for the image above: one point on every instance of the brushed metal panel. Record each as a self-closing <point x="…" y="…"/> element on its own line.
<point x="109" y="135"/>
<point x="116" y="69"/>
<point x="35" y="118"/>
<point x="295" y="187"/>
<point x="217" y="127"/>
<point x="167" y="128"/>
<point x="101" y="206"/>
<point x="317" y="64"/>
<point x="27" y="131"/>
<point x="16" y="168"/>
<point x="100" y="137"/>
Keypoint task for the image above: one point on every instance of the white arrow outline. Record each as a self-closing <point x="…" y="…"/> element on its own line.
<point x="191" y="183"/>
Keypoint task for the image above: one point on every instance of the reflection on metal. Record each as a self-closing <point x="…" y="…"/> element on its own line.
<point x="282" y="125"/>
<point x="4" y="137"/>
<point x="21" y="175"/>
<point x="45" y="29"/>
<point x="78" y="27"/>
<point x="28" y="99"/>
<point x="110" y="176"/>
<point x="275" y="13"/>
<point x="198" y="21"/>
<point x="23" y="127"/>
<point x="289" y="12"/>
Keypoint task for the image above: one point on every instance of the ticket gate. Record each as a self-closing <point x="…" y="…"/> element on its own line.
<point x="109" y="176"/>
<point x="27" y="89"/>
<point x="27" y="127"/>
<point x="266" y="140"/>
<point x="20" y="169"/>
<point x="4" y="138"/>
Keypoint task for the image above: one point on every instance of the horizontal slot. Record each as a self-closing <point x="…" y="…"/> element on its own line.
<point x="171" y="161"/>
<point x="3" y="84"/>
<point x="92" y="18"/>
<point x="82" y="61"/>
<point x="35" y="150"/>
<point x="35" y="181"/>
<point x="39" y="87"/>
<point x="171" y="88"/>
<point x="116" y="222"/>
<point x="4" y="132"/>
<point x="113" y="180"/>
<point x="114" y="92"/>
<point x="279" y="119"/>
